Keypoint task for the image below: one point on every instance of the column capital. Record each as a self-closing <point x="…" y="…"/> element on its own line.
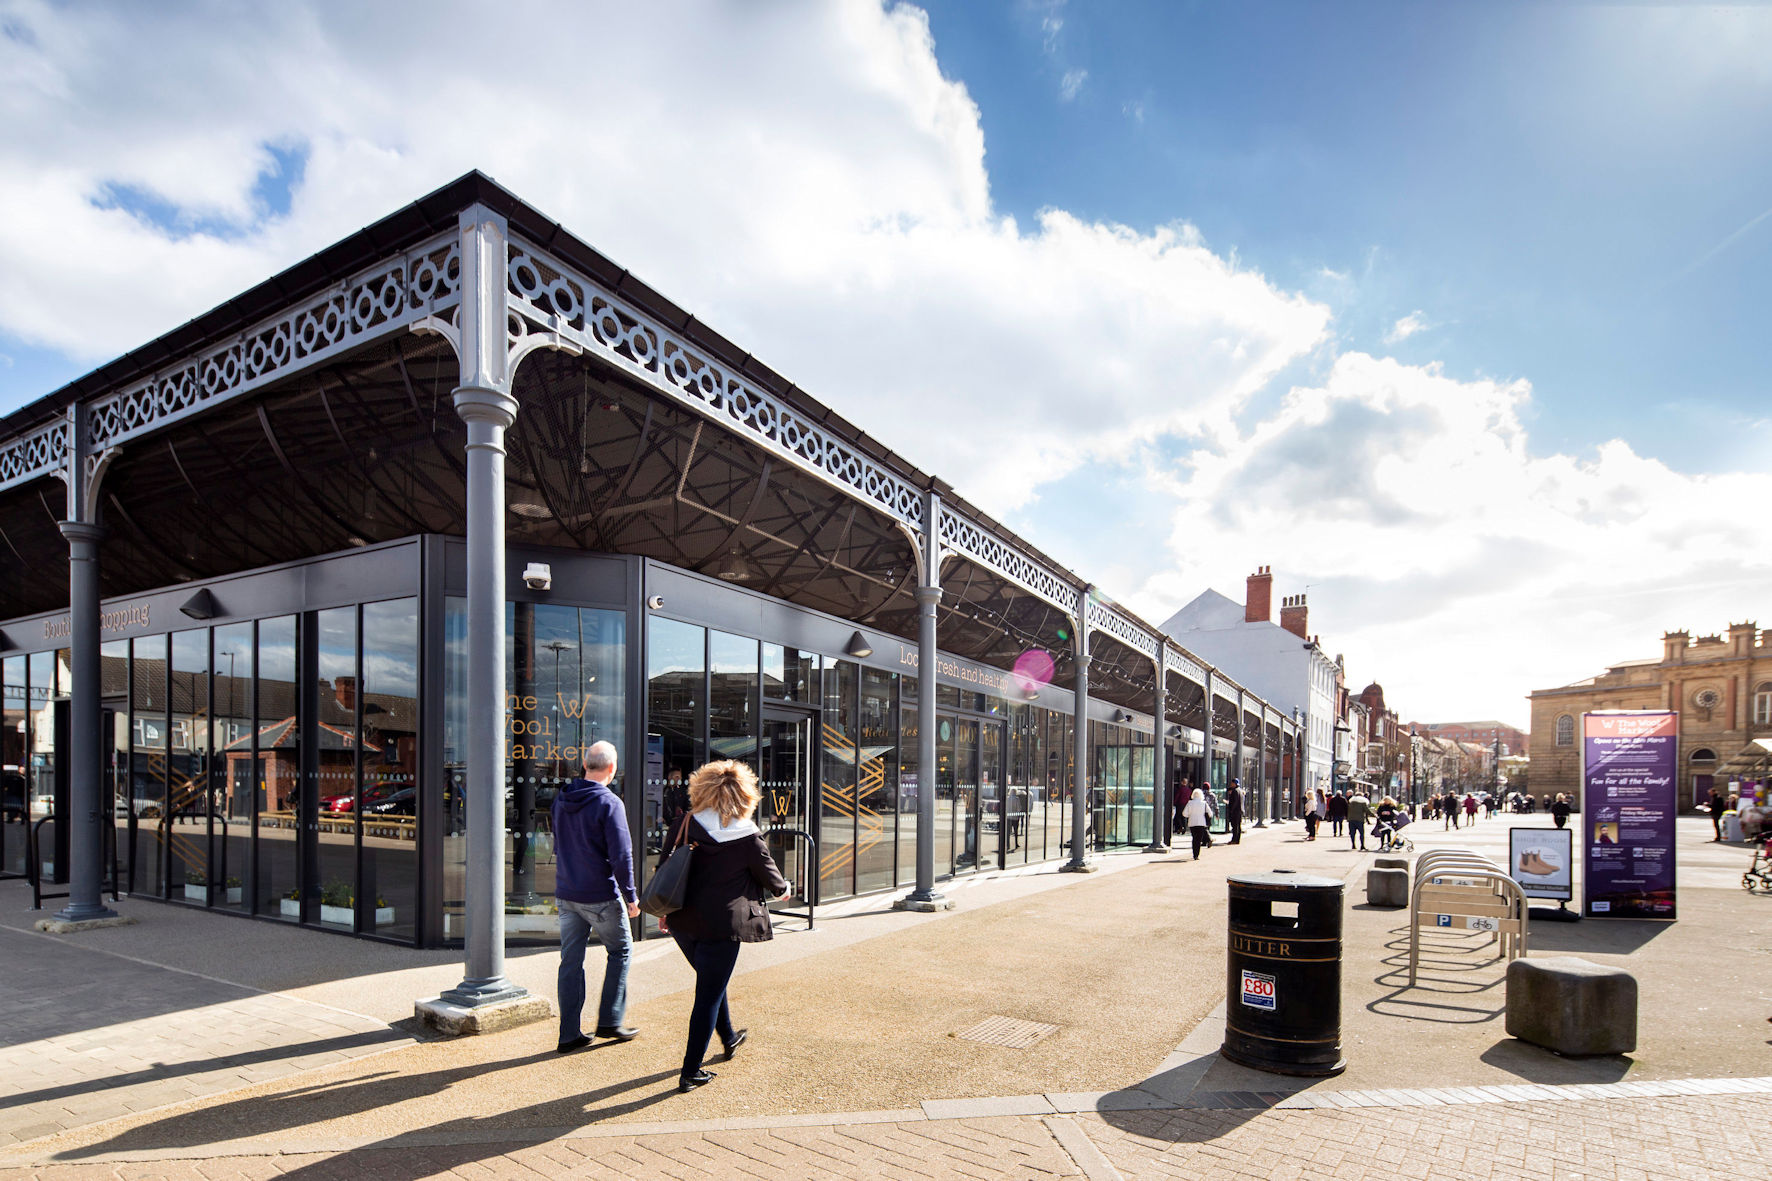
<point x="928" y="596"/>
<point x="81" y="530"/>
<point x="483" y="404"/>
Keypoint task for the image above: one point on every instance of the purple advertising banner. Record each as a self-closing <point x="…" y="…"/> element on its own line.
<point x="1628" y="760"/>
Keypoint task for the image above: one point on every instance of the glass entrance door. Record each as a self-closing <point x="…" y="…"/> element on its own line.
<point x="963" y="812"/>
<point x="788" y="759"/>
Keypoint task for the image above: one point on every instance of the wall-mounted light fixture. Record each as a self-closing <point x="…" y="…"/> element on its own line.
<point x="1121" y="715"/>
<point x="859" y="646"/>
<point x="735" y="567"/>
<point x="201" y="605"/>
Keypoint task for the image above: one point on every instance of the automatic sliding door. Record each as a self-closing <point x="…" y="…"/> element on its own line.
<point x="965" y="805"/>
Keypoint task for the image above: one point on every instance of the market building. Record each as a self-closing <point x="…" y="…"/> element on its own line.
<point x="339" y="579"/>
<point x="1721" y="685"/>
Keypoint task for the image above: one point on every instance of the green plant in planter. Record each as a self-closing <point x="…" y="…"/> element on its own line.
<point x="233" y="883"/>
<point x="336" y="893"/>
<point x="196" y="877"/>
<point x="292" y="895"/>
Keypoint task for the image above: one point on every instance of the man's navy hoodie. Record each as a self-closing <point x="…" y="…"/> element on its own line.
<point x="593" y="858"/>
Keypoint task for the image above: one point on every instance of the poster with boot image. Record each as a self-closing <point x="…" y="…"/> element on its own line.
<point x="1542" y="860"/>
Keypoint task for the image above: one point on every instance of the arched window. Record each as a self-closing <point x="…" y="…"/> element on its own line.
<point x="1566" y="731"/>
<point x="1763" y="704"/>
<point x="1704" y="754"/>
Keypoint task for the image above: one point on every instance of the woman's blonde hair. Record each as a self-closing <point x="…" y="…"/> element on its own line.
<point x="727" y="786"/>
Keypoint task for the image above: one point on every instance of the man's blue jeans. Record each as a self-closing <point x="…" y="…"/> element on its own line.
<point x="609" y="922"/>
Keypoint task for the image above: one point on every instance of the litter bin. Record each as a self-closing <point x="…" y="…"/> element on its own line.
<point x="1283" y="987"/>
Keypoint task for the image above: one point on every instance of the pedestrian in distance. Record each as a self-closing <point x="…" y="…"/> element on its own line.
<point x="594" y="887"/>
<point x="1470" y="809"/>
<point x="1358" y="807"/>
<point x="1197" y="817"/>
<point x="1716" y="814"/>
<point x="1313" y="816"/>
<point x="1560" y="810"/>
<point x="1449" y="810"/>
<point x="1184" y="791"/>
<point x="725" y="905"/>
<point x="1233" y="811"/>
<point x="1337" y="812"/>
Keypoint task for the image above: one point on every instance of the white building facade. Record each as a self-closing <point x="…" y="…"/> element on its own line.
<point x="1280" y="661"/>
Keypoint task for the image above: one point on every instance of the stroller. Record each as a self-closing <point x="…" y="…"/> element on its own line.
<point x="1759" y="875"/>
<point x="1389" y="835"/>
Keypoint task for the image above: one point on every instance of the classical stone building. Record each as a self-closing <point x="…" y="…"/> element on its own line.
<point x="1721" y="686"/>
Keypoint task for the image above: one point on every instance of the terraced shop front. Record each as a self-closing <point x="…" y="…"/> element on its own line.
<point x="288" y="542"/>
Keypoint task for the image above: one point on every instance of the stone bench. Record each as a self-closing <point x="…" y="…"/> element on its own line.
<point x="1387" y="887"/>
<point x="1572" y="1006"/>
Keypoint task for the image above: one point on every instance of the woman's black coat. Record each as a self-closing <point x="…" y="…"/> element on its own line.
<point x="728" y="881"/>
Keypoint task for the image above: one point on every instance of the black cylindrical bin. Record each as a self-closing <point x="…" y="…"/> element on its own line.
<point x="1283" y="998"/>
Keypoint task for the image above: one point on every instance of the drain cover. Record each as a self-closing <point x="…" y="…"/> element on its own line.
<point x="1007" y="1031"/>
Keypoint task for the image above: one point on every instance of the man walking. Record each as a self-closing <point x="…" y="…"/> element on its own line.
<point x="1233" y="811"/>
<point x="1716" y="813"/>
<point x="1358" y="806"/>
<point x="594" y="884"/>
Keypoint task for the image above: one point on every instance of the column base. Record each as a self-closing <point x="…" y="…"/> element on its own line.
<point x="933" y="903"/>
<point x="1156" y="847"/>
<point x="456" y="1020"/>
<point x="84" y="914"/>
<point x="61" y="926"/>
<point x="1079" y="867"/>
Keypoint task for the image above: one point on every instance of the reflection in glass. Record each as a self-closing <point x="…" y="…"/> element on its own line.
<point x="790" y="674"/>
<point x="908" y="753"/>
<point x="275" y="778"/>
<point x="113" y="676"/>
<point x="991" y="820"/>
<point x="732" y="697"/>
<point x="232" y="736"/>
<point x="147" y="760"/>
<point x="1142" y="794"/>
<point x="876" y="796"/>
<point x="15" y="811"/>
<point x="336" y="793"/>
<point x="964" y="803"/>
<point x="186" y="823"/>
<point x="389" y="808"/>
<point x="836" y="811"/>
<point x="675" y="656"/>
<point x="40" y="760"/>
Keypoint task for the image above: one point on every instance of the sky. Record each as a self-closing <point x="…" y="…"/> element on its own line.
<point x="1453" y="314"/>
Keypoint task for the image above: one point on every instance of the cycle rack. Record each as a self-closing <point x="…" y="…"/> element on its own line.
<point x="1457" y="883"/>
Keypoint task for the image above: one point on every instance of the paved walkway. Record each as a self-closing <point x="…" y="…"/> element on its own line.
<point x="855" y="1068"/>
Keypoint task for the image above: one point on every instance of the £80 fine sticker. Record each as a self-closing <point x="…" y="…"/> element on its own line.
<point x="1258" y="990"/>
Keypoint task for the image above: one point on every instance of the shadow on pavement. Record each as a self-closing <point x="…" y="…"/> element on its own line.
<point x="1595" y="936"/>
<point x="161" y="1071"/>
<point x="1538" y="1065"/>
<point x="1444" y="972"/>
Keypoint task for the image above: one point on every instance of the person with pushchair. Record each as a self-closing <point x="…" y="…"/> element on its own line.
<point x="1388" y="820"/>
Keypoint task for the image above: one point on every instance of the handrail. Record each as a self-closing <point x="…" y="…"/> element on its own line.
<point x="811" y="892"/>
<point x="34" y="861"/>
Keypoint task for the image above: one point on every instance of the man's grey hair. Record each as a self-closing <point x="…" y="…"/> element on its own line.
<point x="599" y="756"/>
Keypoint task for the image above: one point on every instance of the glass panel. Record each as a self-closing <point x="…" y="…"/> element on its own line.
<point x="1143" y="793"/>
<point x="1059" y="756"/>
<point x="537" y="636"/>
<point x="336" y="732"/>
<point x="389" y="808"/>
<point x="188" y="789"/>
<point x="113" y="678"/>
<point x="232" y="767"/>
<point x="836" y="785"/>
<point x="990" y="794"/>
<point x="147" y="761"/>
<point x="876" y="797"/>
<point x="786" y="783"/>
<point x="907" y="783"/>
<point x="965" y="800"/>
<point x="944" y="792"/>
<point x="15" y="811"/>
<point x="790" y="674"/>
<point x="675" y="656"/>
<point x="40" y="766"/>
<point x="276" y="776"/>
<point x="732" y="697"/>
<point x="455" y="771"/>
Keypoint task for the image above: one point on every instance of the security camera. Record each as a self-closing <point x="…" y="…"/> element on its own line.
<point x="538" y="576"/>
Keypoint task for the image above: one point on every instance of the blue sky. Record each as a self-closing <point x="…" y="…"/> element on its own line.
<point x="1552" y="186"/>
<point x="1454" y="313"/>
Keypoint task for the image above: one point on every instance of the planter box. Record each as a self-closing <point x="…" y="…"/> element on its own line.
<point x="337" y="914"/>
<point x="289" y="907"/>
<point x="234" y="895"/>
<point x="196" y="893"/>
<point x="384" y="915"/>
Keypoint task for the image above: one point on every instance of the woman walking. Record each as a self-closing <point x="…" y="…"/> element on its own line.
<point x="1314" y="817"/>
<point x="1560" y="810"/>
<point x="731" y="876"/>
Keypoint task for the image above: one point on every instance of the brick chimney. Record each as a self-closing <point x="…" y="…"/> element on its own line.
<point x="1295" y="616"/>
<point x="1258" y="601"/>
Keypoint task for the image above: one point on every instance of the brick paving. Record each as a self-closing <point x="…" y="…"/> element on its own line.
<point x="86" y="1038"/>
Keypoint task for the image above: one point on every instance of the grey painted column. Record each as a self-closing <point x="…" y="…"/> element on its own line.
<point x="1206" y="762"/>
<point x="925" y="896"/>
<point x="1237" y="761"/>
<point x="1160" y="790"/>
<point x="1079" y="862"/>
<point x="1260" y="797"/>
<point x="485" y="404"/>
<point x="86" y="840"/>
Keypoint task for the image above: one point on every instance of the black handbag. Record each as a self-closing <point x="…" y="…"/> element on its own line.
<point x="666" y="888"/>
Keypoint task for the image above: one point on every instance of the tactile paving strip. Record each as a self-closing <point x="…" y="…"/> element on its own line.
<point x="1007" y="1031"/>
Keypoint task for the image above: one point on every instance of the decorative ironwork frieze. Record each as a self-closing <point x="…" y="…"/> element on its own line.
<point x="1179" y="662"/>
<point x="1105" y="617"/>
<point x="41" y="452"/>
<point x="386" y="298"/>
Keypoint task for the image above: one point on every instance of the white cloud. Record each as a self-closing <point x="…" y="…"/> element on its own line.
<point x="1406" y="327"/>
<point x="1072" y="84"/>
<point x="805" y="179"/>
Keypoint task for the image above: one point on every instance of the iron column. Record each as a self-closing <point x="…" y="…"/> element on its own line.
<point x="1079" y="862"/>
<point x="1206" y="762"/>
<point x="1261" y="770"/>
<point x="924" y="897"/>
<point x="1159" y="792"/>
<point x="1240" y="708"/>
<point x="86" y="840"/>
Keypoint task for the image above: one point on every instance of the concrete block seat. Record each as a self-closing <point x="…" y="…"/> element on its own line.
<point x="1387" y="887"/>
<point x="1572" y="1006"/>
<point x="1390" y="862"/>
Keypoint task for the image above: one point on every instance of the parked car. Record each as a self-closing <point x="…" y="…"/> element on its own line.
<point x="400" y="803"/>
<point x="372" y="794"/>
